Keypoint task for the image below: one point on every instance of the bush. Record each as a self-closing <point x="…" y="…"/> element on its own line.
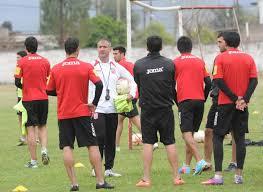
<point x="91" y="30"/>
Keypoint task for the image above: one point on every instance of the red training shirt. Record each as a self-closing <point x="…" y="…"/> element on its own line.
<point x="129" y="67"/>
<point x="70" y="79"/>
<point x="190" y="72"/>
<point x="235" y="68"/>
<point x="34" y="69"/>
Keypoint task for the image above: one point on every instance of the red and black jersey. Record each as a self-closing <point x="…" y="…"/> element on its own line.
<point x="34" y="69"/>
<point x="70" y="79"/>
<point x="190" y="73"/>
<point x="235" y="68"/>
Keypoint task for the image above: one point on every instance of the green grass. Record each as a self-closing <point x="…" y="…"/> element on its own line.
<point x="53" y="178"/>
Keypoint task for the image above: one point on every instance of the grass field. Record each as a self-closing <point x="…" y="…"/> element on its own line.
<point x="53" y="178"/>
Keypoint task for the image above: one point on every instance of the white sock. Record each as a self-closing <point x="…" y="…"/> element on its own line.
<point x="218" y="176"/>
<point x="33" y="162"/>
<point x="43" y="150"/>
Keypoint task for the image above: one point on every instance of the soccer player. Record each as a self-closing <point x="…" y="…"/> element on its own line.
<point x="235" y="75"/>
<point x="208" y="142"/>
<point x="191" y="75"/>
<point x="155" y="78"/>
<point x="119" y="57"/>
<point x="69" y="81"/>
<point x="34" y="69"/>
<point x="22" y="139"/>
<point x="105" y="118"/>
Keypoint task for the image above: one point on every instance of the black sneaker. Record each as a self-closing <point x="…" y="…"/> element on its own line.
<point x="231" y="167"/>
<point x="105" y="185"/>
<point x="74" y="188"/>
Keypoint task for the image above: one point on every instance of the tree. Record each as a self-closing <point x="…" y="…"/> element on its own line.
<point x="72" y="14"/>
<point x="8" y="25"/>
<point x="91" y="30"/>
<point x="154" y="28"/>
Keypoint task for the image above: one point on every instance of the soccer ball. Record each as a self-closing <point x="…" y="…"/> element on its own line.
<point x="136" y="138"/>
<point x="122" y="86"/>
<point x="199" y="136"/>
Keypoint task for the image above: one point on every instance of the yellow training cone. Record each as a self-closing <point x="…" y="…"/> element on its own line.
<point x="78" y="165"/>
<point x="20" y="188"/>
<point x="256" y="112"/>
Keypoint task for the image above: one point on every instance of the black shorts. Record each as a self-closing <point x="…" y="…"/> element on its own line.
<point x="190" y="115"/>
<point x="211" y="116"/>
<point x="161" y="120"/>
<point x="37" y="112"/>
<point x="228" y="119"/>
<point x="133" y="112"/>
<point x="80" y="128"/>
<point x="19" y="113"/>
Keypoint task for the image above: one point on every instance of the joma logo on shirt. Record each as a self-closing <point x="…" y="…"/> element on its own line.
<point x="70" y="63"/>
<point x="156" y="70"/>
<point x="34" y="58"/>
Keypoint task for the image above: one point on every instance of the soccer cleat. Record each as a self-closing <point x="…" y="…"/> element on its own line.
<point x="208" y="167"/>
<point x="184" y="169"/>
<point x="213" y="181"/>
<point x="22" y="141"/>
<point x="143" y="183"/>
<point x="179" y="181"/>
<point x="200" y="166"/>
<point x="45" y="159"/>
<point x="93" y="174"/>
<point x="31" y="165"/>
<point x="74" y="188"/>
<point x="238" y="179"/>
<point x="231" y="167"/>
<point x="110" y="173"/>
<point x="105" y="185"/>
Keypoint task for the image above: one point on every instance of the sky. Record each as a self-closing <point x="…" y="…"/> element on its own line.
<point x="24" y="14"/>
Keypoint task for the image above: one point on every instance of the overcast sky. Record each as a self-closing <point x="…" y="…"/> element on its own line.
<point x="24" y="14"/>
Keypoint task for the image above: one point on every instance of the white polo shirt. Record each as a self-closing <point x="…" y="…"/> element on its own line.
<point x="109" y="73"/>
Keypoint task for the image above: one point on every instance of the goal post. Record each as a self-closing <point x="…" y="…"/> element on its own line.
<point x="179" y="10"/>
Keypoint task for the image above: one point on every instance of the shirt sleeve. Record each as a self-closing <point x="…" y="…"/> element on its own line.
<point x="93" y="76"/>
<point x="18" y="70"/>
<point x="206" y="73"/>
<point x="126" y="74"/>
<point x="51" y="84"/>
<point x="253" y="69"/>
<point x="218" y="69"/>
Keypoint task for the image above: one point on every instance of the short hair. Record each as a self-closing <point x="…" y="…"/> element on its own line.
<point x="121" y="49"/>
<point x="184" y="44"/>
<point x="31" y="44"/>
<point x="22" y="53"/>
<point x="154" y="43"/>
<point x="231" y="38"/>
<point x="71" y="45"/>
<point x="104" y="39"/>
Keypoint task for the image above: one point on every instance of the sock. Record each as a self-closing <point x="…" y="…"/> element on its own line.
<point x="43" y="150"/>
<point x="33" y="162"/>
<point x="218" y="176"/>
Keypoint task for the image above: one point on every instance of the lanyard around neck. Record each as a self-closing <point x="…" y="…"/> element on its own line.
<point x="104" y="78"/>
